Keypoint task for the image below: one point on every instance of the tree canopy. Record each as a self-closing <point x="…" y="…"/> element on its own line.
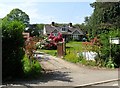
<point x="19" y="15"/>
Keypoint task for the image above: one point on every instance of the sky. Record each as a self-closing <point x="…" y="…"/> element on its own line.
<point x="47" y="12"/>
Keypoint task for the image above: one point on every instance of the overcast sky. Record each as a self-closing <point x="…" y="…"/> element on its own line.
<point x="46" y="12"/>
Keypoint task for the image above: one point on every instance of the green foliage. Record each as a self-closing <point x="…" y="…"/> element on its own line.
<point x="18" y="15"/>
<point x="105" y="22"/>
<point x="85" y="62"/>
<point x="12" y="51"/>
<point x="12" y="43"/>
<point x="105" y="16"/>
<point x="40" y="26"/>
<point x="72" y="57"/>
<point x="35" y="30"/>
<point x="31" y="68"/>
<point x="105" y="51"/>
<point x="110" y="63"/>
<point x="72" y="48"/>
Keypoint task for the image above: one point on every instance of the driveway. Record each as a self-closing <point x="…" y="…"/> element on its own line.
<point x="63" y="73"/>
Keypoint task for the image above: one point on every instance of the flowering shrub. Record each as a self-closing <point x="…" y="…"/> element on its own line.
<point x="50" y="42"/>
<point x="30" y="47"/>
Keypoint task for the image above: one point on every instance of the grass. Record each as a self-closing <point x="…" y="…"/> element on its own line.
<point x="72" y="48"/>
<point x="51" y="52"/>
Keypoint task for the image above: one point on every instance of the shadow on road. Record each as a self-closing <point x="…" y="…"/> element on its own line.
<point x="44" y="78"/>
<point x="57" y="75"/>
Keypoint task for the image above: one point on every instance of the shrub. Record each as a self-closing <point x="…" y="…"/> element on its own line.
<point x="31" y="68"/>
<point x="105" y="50"/>
<point x="12" y="51"/>
<point x="50" y="43"/>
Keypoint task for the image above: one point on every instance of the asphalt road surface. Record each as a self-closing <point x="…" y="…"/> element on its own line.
<point x="62" y="73"/>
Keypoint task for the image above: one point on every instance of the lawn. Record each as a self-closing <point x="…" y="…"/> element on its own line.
<point x="74" y="46"/>
<point x="71" y="46"/>
<point x="51" y="52"/>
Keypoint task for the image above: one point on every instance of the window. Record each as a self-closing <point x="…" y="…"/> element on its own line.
<point x="55" y="34"/>
<point x="76" y="37"/>
<point x="64" y="29"/>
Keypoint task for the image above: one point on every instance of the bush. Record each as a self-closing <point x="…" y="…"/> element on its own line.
<point x="12" y="49"/>
<point x="31" y="68"/>
<point x="105" y="50"/>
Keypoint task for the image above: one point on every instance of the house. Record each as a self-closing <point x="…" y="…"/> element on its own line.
<point x="69" y="32"/>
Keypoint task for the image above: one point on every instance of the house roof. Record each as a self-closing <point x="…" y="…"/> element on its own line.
<point x="49" y="28"/>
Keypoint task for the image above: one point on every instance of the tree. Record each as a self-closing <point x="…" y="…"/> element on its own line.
<point x="35" y="29"/>
<point x="12" y="43"/>
<point x="40" y="26"/>
<point x="86" y="19"/>
<point x="12" y="48"/>
<point x="19" y="15"/>
<point x="105" y="15"/>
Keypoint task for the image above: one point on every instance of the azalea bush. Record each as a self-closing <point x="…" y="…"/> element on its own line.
<point x="50" y="42"/>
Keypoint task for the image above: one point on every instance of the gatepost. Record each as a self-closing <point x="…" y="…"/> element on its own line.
<point x="61" y="49"/>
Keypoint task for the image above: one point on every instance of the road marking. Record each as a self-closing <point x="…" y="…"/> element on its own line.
<point x="100" y="82"/>
<point x="115" y="85"/>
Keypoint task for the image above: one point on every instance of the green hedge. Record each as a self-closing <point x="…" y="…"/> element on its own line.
<point x="12" y="49"/>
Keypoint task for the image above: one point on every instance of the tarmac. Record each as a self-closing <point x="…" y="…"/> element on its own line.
<point x="62" y="73"/>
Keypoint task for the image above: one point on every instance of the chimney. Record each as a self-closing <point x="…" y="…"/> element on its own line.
<point x="70" y="24"/>
<point x="53" y="23"/>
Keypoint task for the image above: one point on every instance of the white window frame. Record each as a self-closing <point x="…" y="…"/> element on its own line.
<point x="76" y="36"/>
<point x="64" y="29"/>
<point x="55" y="34"/>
